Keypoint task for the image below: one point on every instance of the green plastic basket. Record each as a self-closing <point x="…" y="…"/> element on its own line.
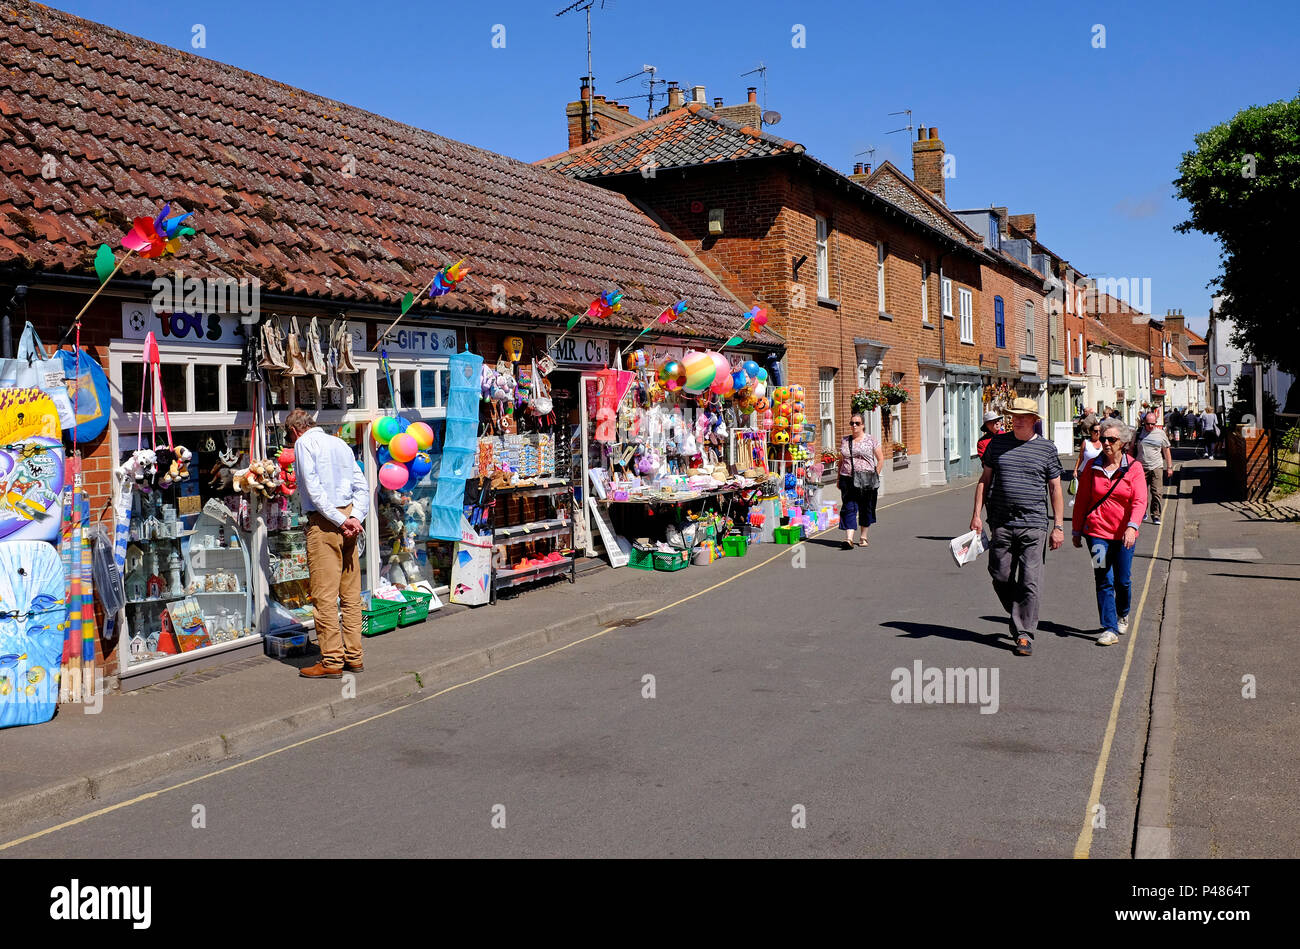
<point x="641" y="559"/>
<point x="416" y="609"/>
<point x="735" y="545"/>
<point x="677" y="560"/>
<point x="382" y="617"/>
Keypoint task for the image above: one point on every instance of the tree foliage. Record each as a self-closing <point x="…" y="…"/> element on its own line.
<point x="1243" y="185"/>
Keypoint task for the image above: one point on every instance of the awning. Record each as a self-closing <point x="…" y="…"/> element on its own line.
<point x="1031" y="380"/>
<point x="1057" y="381"/>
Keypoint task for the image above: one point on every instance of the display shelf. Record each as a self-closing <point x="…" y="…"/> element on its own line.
<point x="157" y="599"/>
<point x="536" y="530"/>
<point x="511" y="577"/>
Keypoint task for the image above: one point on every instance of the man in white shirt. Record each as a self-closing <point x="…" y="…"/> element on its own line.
<point x="336" y="499"/>
<point x="1154" y="446"/>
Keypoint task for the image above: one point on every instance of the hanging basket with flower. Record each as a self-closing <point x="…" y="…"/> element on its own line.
<point x="893" y="395"/>
<point x="864" y="400"/>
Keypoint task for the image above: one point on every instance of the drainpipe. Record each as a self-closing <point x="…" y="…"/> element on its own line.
<point x="6" y="330"/>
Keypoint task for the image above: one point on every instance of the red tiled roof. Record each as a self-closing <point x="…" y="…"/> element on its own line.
<point x="692" y="135"/>
<point x="897" y="188"/>
<point x="132" y="124"/>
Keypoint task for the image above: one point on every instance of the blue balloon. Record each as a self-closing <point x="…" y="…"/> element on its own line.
<point x="738" y="379"/>
<point x="402" y="424"/>
<point x="751" y="369"/>
<point x="383" y="455"/>
<point x="420" y="465"/>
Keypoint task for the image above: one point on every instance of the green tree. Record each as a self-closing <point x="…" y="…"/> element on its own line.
<point x="1243" y="185"/>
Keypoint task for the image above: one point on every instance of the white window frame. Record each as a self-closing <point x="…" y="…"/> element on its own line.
<point x="1029" y="330"/>
<point x="826" y="403"/>
<point x="966" y="306"/>
<point x="950" y="419"/>
<point x="947" y="297"/>
<point x="925" y="291"/>
<point x="976" y="420"/>
<point x="880" y="276"/>
<point x="823" y="258"/>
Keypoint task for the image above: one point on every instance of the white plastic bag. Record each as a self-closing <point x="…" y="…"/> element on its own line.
<point x="967" y="548"/>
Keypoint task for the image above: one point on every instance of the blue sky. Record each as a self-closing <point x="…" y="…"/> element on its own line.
<point x="1037" y="117"/>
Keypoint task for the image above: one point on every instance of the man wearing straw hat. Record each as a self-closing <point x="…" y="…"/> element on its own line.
<point x="1020" y="471"/>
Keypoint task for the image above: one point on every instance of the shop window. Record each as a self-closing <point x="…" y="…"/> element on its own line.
<point x="173" y="387"/>
<point x="237" y="399"/>
<point x="207" y="388"/>
<point x="826" y="400"/>
<point x="187" y="562"/>
<point x="433" y="388"/>
<point x="406" y="388"/>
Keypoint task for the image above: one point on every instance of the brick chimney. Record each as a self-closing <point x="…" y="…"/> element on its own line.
<point x="927" y="162"/>
<point x="591" y="117"/>
<point x="1024" y="224"/>
<point x="861" y="172"/>
<point x="676" y="97"/>
<point x="697" y="95"/>
<point x="753" y="93"/>
<point x="1174" y="321"/>
<point x="717" y="102"/>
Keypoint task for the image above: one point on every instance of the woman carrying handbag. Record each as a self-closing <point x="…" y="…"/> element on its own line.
<point x="859" y="481"/>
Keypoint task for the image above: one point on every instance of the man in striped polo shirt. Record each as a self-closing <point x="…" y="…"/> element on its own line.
<point x="1021" y="471"/>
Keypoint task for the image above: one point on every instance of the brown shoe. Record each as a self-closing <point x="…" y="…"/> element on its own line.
<point x="353" y="667"/>
<point x="320" y="671"/>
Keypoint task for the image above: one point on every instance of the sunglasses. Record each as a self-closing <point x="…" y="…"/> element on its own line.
<point x="1111" y="439"/>
<point x="855" y="424"/>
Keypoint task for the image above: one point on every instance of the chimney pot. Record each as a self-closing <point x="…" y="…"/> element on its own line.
<point x="676" y="96"/>
<point x="584" y="91"/>
<point x="717" y="102"/>
<point x="920" y="135"/>
<point x="934" y="132"/>
<point x="753" y="93"/>
<point x="857" y="168"/>
<point x="866" y="169"/>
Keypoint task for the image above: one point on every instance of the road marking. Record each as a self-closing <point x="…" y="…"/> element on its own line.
<point x="1083" y="845"/>
<point x="451" y="688"/>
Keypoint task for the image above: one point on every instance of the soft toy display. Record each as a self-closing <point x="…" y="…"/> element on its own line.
<point x="173" y="465"/>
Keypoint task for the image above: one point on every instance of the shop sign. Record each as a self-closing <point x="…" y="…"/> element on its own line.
<point x="208" y="329"/>
<point x="578" y="350"/>
<point x="421" y="341"/>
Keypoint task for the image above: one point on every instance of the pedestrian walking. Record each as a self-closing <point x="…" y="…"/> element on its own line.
<point x="1089" y="448"/>
<point x="336" y="500"/>
<point x="1021" y="472"/>
<point x="1107" y="513"/>
<point x="1152" y="447"/>
<point x="992" y="426"/>
<point x="860" y="462"/>
<point x="1209" y="431"/>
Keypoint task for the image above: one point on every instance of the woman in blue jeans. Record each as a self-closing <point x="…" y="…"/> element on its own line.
<point x="859" y="452"/>
<point x="1108" y="512"/>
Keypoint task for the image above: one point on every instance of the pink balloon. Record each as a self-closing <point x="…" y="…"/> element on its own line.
<point x="404" y="448"/>
<point x="394" y="476"/>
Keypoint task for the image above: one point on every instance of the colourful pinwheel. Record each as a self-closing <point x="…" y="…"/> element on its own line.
<point x="448" y="278"/>
<point x="154" y="237"/>
<point x="755" y="319"/>
<point x="608" y="302"/>
<point x="674" y="312"/>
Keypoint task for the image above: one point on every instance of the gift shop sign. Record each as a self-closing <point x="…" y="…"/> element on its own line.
<point x="427" y="341"/>
<point x="578" y="350"/>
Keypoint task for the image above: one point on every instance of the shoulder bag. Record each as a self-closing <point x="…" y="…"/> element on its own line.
<point x="31" y="368"/>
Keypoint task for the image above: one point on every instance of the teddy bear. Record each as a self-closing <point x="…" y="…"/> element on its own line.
<point x="288" y="478"/>
<point x="140" y="468"/>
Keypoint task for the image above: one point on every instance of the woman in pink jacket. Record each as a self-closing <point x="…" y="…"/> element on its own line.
<point x="1108" y="512"/>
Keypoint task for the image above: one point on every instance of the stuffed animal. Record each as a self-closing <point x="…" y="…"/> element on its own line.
<point x="140" y="468"/>
<point x="288" y="479"/>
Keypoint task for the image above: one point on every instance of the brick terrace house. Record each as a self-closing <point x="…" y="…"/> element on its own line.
<point x="336" y="211"/>
<point x="868" y="276"/>
<point x="1142" y="334"/>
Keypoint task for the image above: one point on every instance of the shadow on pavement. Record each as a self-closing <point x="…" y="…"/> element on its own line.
<point x="827" y="542"/>
<point x="1254" y="576"/>
<point x="918" y="630"/>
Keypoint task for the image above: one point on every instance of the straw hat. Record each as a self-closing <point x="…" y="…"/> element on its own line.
<point x="1023" y="407"/>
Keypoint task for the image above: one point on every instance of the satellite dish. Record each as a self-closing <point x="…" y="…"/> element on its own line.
<point x="771" y="118"/>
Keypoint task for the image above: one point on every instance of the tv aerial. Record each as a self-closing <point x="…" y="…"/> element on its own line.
<point x="906" y="128"/>
<point x="586" y="5"/>
<point x="650" y="83"/>
<point x="766" y="117"/>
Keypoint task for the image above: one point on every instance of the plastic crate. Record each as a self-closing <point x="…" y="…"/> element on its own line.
<point x="416" y="609"/>
<point x="284" y="645"/>
<point x="735" y="545"/>
<point x="641" y="559"/>
<point x="788" y="535"/>
<point x="381" y="617"/>
<point x="677" y="560"/>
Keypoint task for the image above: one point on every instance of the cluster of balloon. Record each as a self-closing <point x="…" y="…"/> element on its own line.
<point x="749" y="384"/>
<point x="402" y="449"/>
<point x="797" y="417"/>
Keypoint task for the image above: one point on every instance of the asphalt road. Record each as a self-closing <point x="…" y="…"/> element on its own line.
<point x="772" y="700"/>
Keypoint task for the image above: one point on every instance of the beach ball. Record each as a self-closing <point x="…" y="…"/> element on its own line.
<point x="393" y="476"/>
<point x="386" y="428"/>
<point x="404" y="447"/>
<point x="421" y="465"/>
<point x="422" y="433"/>
<point x="762" y="374"/>
<point x="721" y="365"/>
<point x="700" y="370"/>
<point x="751" y="368"/>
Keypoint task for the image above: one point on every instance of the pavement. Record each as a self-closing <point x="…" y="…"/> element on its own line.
<point x="1223" y="764"/>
